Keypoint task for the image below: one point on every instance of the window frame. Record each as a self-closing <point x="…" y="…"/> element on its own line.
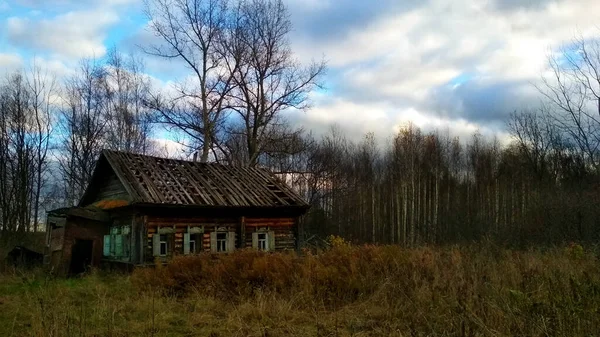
<point x="165" y="242"/>
<point x="263" y="241"/>
<point x="192" y="244"/>
<point x="222" y="238"/>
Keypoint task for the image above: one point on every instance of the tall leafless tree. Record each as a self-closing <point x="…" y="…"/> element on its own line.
<point x="126" y="89"/>
<point x="83" y="124"/>
<point x="190" y="31"/>
<point x="573" y="93"/>
<point x="268" y="79"/>
<point x="25" y="128"/>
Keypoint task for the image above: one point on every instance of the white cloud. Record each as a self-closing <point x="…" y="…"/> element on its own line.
<point x="398" y="62"/>
<point x="168" y="148"/>
<point x="74" y="34"/>
<point x="54" y="3"/>
<point x="10" y="63"/>
<point x="404" y="62"/>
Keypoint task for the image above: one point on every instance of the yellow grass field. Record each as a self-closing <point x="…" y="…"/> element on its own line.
<point x="478" y="290"/>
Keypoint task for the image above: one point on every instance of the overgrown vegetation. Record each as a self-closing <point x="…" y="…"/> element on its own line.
<point x="478" y="290"/>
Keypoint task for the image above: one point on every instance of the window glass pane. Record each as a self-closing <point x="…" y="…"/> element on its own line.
<point x="262" y="241"/>
<point x="163" y="244"/>
<point x="221" y="242"/>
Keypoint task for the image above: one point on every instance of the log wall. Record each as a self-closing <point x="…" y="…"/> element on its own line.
<point x="283" y="229"/>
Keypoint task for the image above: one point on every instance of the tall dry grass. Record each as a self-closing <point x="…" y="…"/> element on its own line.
<point x="478" y="290"/>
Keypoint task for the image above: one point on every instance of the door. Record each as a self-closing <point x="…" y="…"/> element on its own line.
<point x="81" y="256"/>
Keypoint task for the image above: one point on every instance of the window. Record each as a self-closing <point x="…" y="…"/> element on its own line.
<point x="116" y="244"/>
<point x="221" y="242"/>
<point x="262" y="241"/>
<point x="193" y="244"/>
<point x="163" y="244"/>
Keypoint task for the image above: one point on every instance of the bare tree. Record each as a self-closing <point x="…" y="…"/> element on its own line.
<point x="43" y="89"/>
<point x="25" y="128"/>
<point x="268" y="80"/>
<point x="126" y="90"/>
<point x="191" y="32"/>
<point x="83" y="124"/>
<point x="573" y="93"/>
<point x="536" y="136"/>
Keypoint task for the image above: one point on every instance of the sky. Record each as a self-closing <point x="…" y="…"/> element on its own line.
<point x="451" y="65"/>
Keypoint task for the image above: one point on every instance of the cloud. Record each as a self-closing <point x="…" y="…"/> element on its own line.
<point x="512" y="5"/>
<point x="462" y="65"/>
<point x="72" y="3"/>
<point x="74" y="34"/>
<point x="465" y="63"/>
<point x="10" y="63"/>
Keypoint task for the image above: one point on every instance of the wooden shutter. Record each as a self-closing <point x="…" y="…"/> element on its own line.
<point x="231" y="242"/>
<point x="255" y="240"/>
<point x="106" y="245"/>
<point x="156" y="244"/>
<point x="213" y="242"/>
<point x="126" y="244"/>
<point x="271" y="240"/>
<point x="186" y="243"/>
<point x="118" y="245"/>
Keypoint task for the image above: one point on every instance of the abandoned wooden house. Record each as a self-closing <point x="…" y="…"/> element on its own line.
<point x="138" y="209"/>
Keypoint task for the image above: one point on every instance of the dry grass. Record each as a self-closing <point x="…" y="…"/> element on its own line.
<point x="347" y="291"/>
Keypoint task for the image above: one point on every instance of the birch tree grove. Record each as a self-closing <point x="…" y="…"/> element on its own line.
<point x="431" y="188"/>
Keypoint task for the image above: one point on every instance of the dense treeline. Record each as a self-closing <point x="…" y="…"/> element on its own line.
<point x="417" y="187"/>
<point x="431" y="188"/>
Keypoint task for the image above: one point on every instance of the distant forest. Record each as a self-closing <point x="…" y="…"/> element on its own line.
<point x="417" y="188"/>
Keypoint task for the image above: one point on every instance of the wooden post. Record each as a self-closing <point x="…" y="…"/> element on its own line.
<point x="298" y="233"/>
<point x="242" y="240"/>
<point x="143" y="230"/>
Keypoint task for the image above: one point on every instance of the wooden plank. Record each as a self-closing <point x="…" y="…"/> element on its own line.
<point x="205" y="200"/>
<point x="211" y="219"/>
<point x="242" y="232"/>
<point x="250" y="220"/>
<point x="225" y="182"/>
<point x="157" y="175"/>
<point x="206" y="184"/>
<point x="157" y="180"/>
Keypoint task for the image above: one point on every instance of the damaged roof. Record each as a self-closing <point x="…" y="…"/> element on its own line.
<point x="155" y="180"/>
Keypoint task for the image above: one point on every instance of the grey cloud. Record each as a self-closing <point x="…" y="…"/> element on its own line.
<point x="336" y="18"/>
<point x="482" y="102"/>
<point x="510" y="5"/>
<point x="51" y="4"/>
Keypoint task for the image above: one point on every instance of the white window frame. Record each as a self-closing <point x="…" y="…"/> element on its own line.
<point x="166" y="244"/>
<point x="222" y="242"/>
<point x="216" y="241"/>
<point x="263" y="242"/>
<point x="192" y="244"/>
